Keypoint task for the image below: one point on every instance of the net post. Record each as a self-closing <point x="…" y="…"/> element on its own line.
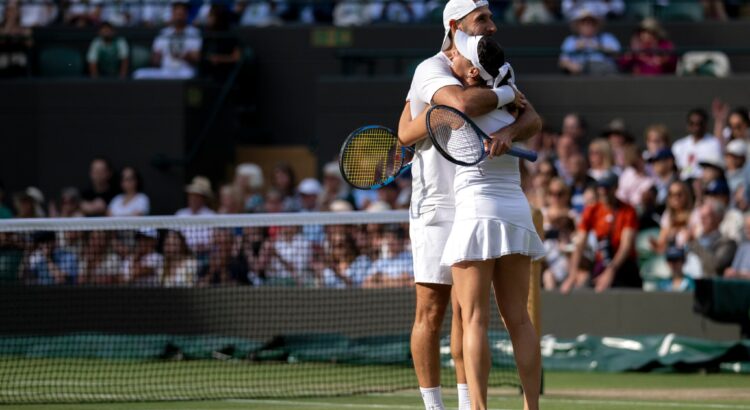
<point x="534" y="304"/>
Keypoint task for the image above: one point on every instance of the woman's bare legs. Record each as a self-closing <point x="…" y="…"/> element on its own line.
<point x="471" y="284"/>
<point x="511" y="282"/>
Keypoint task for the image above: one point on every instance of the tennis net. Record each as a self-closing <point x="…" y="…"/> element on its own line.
<point x="224" y="307"/>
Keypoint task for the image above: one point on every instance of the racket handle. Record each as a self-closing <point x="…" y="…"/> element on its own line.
<point x="530" y="156"/>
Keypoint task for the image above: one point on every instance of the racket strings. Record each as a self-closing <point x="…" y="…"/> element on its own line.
<point x="455" y="137"/>
<point x="371" y="157"/>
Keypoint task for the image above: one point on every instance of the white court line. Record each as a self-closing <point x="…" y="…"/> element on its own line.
<point x="636" y="403"/>
<point x="330" y="405"/>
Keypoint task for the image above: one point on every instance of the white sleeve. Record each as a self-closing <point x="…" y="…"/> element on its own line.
<point x="161" y="45"/>
<point x="144" y="205"/>
<point x="431" y="76"/>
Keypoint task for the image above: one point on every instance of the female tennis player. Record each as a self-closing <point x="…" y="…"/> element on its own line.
<point x="493" y="236"/>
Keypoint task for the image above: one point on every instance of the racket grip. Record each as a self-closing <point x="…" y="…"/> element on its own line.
<point x="530" y="156"/>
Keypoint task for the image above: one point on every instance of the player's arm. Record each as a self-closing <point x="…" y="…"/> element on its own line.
<point x="526" y="126"/>
<point x="411" y="131"/>
<point x="473" y="101"/>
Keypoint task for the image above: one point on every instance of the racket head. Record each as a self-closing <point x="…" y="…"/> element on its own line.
<point x="372" y="157"/>
<point x="455" y="136"/>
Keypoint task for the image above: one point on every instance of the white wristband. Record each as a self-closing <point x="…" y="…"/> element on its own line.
<point x="505" y="95"/>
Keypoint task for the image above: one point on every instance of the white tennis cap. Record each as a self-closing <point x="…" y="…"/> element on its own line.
<point x="467" y="46"/>
<point x="456" y="10"/>
<point x="737" y="147"/>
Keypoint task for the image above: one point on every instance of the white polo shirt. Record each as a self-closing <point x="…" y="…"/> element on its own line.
<point x="432" y="175"/>
<point x="688" y="153"/>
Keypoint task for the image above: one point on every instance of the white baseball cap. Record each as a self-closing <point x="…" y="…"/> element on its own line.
<point x="456" y="10"/>
<point x="737" y="148"/>
<point x="309" y="186"/>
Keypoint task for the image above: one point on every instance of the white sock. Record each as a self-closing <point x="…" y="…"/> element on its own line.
<point x="464" y="402"/>
<point x="432" y="397"/>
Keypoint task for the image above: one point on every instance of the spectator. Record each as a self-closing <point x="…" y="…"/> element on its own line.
<point x="349" y="13"/>
<point x="287" y="258"/>
<point x="576" y="126"/>
<point x="731" y="225"/>
<point x="664" y="173"/>
<point x="226" y="265"/>
<point x="678" y="282"/>
<point x="714" y="251"/>
<point x="249" y="247"/>
<point x="600" y="8"/>
<point x="389" y="195"/>
<point x="38" y="13"/>
<point x="614" y="225"/>
<point x="180" y="267"/>
<point x="540" y="184"/>
<point x="334" y="187"/>
<point x="5" y="212"/>
<point x="651" y="53"/>
<point x="274" y="202"/>
<point x="697" y="144"/>
<point x="230" y="200"/>
<point x="176" y="50"/>
<point x="11" y="257"/>
<point x="343" y="266"/>
<point x="565" y="148"/>
<point x="581" y="184"/>
<point x="221" y="49"/>
<point x="634" y="181"/>
<point x="740" y="268"/>
<point x="145" y="266"/>
<point x="394" y="267"/>
<point x="15" y="43"/>
<point x="69" y="204"/>
<point x="199" y="194"/>
<point x="601" y="159"/>
<point x="257" y="13"/>
<point x="284" y="181"/>
<point x="559" y="243"/>
<point x="535" y="12"/>
<point x="649" y="211"/>
<point x="619" y="140"/>
<point x="657" y="138"/>
<point x="309" y="190"/>
<point x="132" y="201"/>
<point x="588" y="50"/>
<point x="728" y="124"/>
<point x="49" y="265"/>
<point x="101" y="192"/>
<point x="735" y="158"/>
<point x="544" y="144"/>
<point x="108" y="56"/>
<point x="29" y="203"/>
<point x="676" y="219"/>
<point x="248" y="180"/>
<point x="557" y="204"/>
<point x="100" y="264"/>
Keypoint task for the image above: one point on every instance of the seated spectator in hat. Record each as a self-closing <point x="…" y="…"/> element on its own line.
<point x="664" y="173"/>
<point x="29" y="203"/>
<point x="284" y="181"/>
<point x="394" y="267"/>
<point x="334" y="187"/>
<point x="559" y="243"/>
<point x="601" y="8"/>
<point x="714" y="250"/>
<point x="5" y="211"/>
<point x="145" y="265"/>
<point x="678" y="282"/>
<point x="68" y="206"/>
<point x="248" y="180"/>
<point x="675" y="226"/>
<point x="50" y="265"/>
<point x="230" y="200"/>
<point x="651" y="52"/>
<point x="697" y="144"/>
<point x="735" y="159"/>
<point x="740" y="267"/>
<point x="731" y="224"/>
<point x="601" y="159"/>
<point x="614" y="225"/>
<point x="199" y="193"/>
<point x="108" y="55"/>
<point x="588" y="50"/>
<point x="582" y="186"/>
<point x="99" y="194"/>
<point x="176" y="50"/>
<point x="309" y="190"/>
<point x="100" y="264"/>
<point x="634" y="181"/>
<point x="132" y="201"/>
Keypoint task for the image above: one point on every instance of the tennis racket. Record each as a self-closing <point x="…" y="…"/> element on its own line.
<point x="461" y="141"/>
<point x="372" y="157"/>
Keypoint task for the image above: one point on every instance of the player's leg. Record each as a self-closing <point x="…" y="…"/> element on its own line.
<point x="471" y="281"/>
<point x="457" y="353"/>
<point x="432" y="300"/>
<point x="511" y="282"/>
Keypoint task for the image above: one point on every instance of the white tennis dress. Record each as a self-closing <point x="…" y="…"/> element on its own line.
<point x="493" y="217"/>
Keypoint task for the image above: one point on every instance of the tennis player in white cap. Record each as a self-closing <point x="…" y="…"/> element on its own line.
<point x="432" y="202"/>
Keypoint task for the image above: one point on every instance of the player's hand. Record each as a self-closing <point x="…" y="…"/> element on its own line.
<point x="520" y="100"/>
<point x="501" y="143"/>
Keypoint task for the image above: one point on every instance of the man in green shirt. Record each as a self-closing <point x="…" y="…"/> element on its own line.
<point x="108" y="55"/>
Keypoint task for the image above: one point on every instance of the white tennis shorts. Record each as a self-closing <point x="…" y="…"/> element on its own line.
<point x="429" y="233"/>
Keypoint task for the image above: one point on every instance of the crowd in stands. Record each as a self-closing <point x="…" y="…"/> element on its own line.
<point x="658" y="215"/>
